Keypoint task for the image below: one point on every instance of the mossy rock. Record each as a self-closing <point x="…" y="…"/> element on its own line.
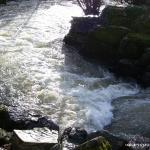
<point x="122" y="16"/>
<point x="145" y="59"/>
<point x="98" y="143"/>
<point x="103" y="41"/>
<point x="111" y="34"/>
<point x="133" y="45"/>
<point x="142" y="24"/>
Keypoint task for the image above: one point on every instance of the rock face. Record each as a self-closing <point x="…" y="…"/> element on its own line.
<point x="119" y="38"/>
<point x="36" y="139"/>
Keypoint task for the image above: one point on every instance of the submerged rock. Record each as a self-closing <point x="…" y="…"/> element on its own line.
<point x="36" y="139"/>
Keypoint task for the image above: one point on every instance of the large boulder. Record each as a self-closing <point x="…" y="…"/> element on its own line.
<point x="9" y="121"/>
<point x="142" y="23"/>
<point x="103" y="41"/>
<point x="133" y="45"/>
<point x="122" y="16"/>
<point x="116" y="39"/>
<point x="80" y="27"/>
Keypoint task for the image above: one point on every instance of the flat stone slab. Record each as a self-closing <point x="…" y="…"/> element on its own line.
<point x="35" y="139"/>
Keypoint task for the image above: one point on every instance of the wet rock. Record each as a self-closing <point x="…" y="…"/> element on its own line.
<point x="103" y="41"/>
<point x="118" y="40"/>
<point x="142" y="24"/>
<point x="98" y="143"/>
<point x="122" y="16"/>
<point x="75" y="135"/>
<point x="42" y="122"/>
<point x="79" y="29"/>
<point x="4" y="137"/>
<point x="71" y="137"/>
<point x="117" y="143"/>
<point x="133" y="45"/>
<point x="36" y="139"/>
<point x="9" y="121"/>
<point x="127" y="68"/>
<point x="6" y="147"/>
<point x="4" y="117"/>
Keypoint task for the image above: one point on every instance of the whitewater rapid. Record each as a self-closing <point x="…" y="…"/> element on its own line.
<point x="39" y="75"/>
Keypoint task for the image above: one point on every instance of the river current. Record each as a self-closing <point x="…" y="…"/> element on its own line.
<point x="39" y="75"/>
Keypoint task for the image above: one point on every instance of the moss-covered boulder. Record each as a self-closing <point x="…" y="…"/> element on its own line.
<point x="80" y="27"/>
<point x="142" y="23"/>
<point x="98" y="143"/>
<point x="122" y="16"/>
<point x="133" y="45"/>
<point x="103" y="41"/>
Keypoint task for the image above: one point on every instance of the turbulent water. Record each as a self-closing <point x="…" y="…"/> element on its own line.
<point x="39" y="75"/>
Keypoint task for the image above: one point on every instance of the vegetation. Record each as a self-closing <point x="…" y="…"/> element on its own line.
<point x="91" y="7"/>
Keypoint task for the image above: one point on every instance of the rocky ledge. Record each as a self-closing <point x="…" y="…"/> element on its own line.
<point x="118" y="39"/>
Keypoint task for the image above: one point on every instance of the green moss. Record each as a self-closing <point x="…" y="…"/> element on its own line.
<point x="111" y="34"/>
<point x="133" y="45"/>
<point x="142" y="24"/>
<point x="122" y="16"/>
<point x="99" y="143"/>
<point x="143" y="39"/>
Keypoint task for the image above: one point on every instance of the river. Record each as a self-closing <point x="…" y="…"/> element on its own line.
<point x="39" y="75"/>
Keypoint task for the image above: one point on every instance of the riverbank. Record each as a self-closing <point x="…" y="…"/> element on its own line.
<point x="119" y="39"/>
<point x="43" y="134"/>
